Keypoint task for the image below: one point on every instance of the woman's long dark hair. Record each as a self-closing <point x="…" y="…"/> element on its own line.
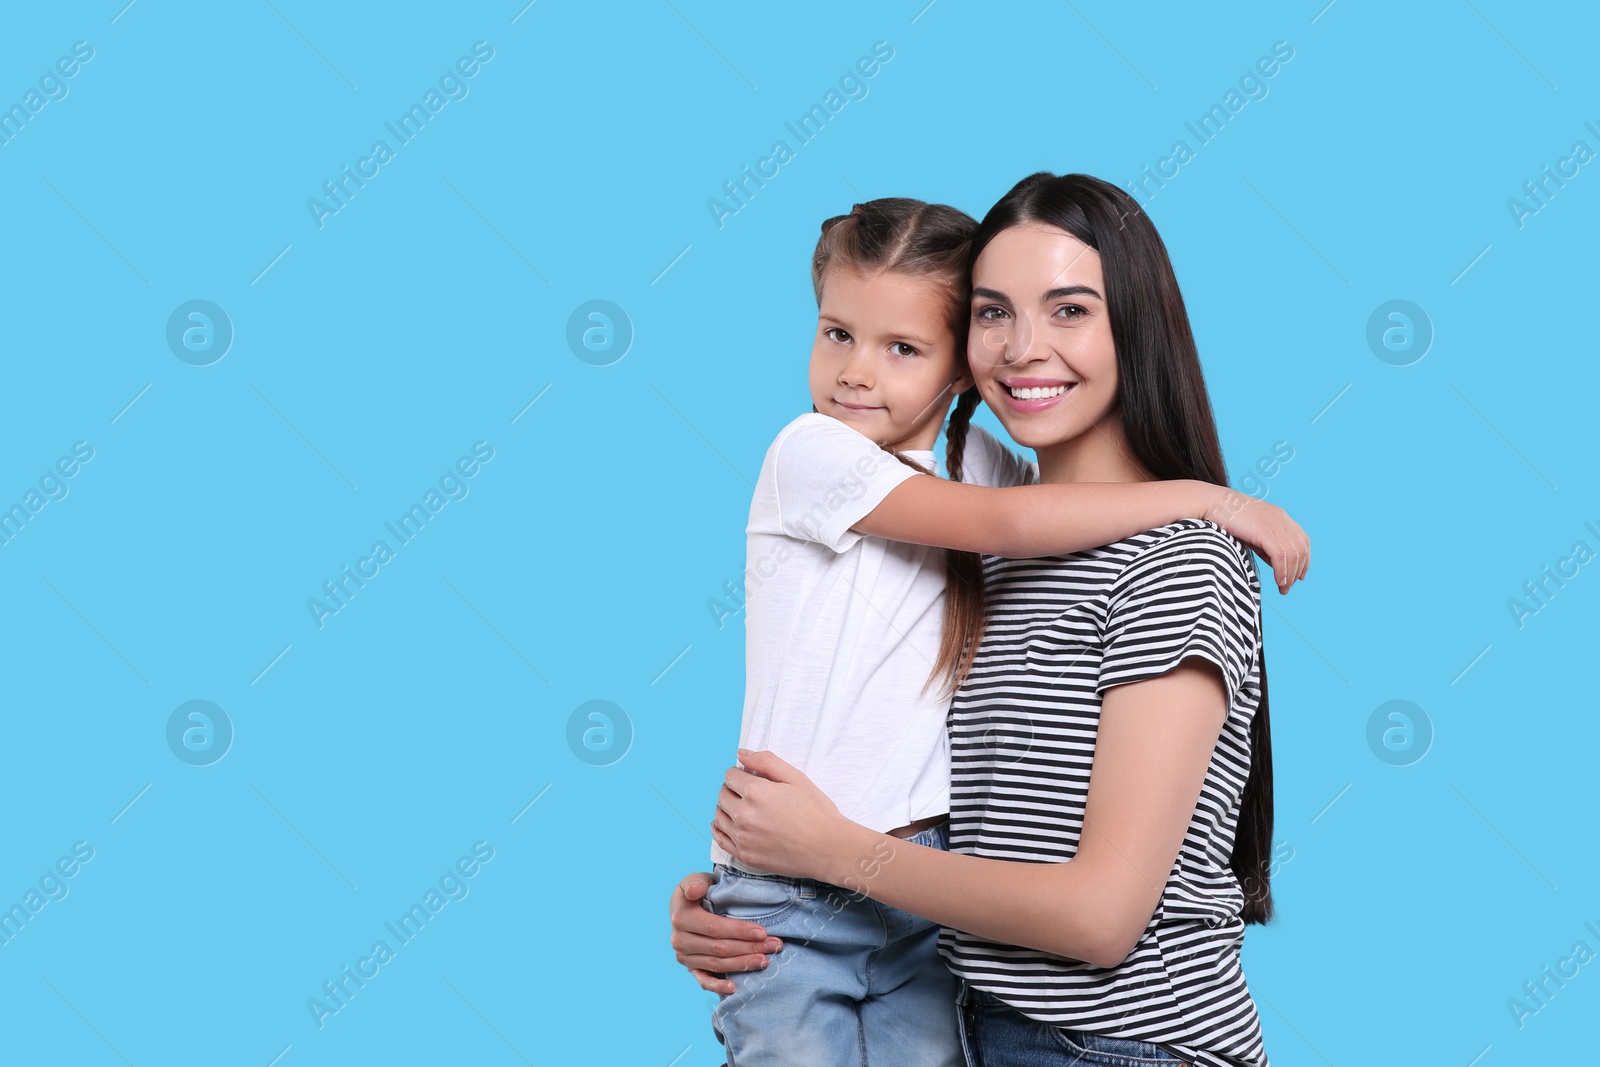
<point x="1165" y="411"/>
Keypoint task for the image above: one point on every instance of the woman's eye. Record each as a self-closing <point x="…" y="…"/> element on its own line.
<point x="838" y="336"/>
<point x="1072" y="311"/>
<point x="990" y="313"/>
<point x="900" y="348"/>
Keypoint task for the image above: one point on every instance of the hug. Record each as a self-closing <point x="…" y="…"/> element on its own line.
<point x="1005" y="783"/>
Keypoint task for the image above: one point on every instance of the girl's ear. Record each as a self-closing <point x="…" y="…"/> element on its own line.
<point x="961" y="382"/>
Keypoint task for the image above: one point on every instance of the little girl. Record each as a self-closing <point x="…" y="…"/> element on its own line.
<point x="858" y="594"/>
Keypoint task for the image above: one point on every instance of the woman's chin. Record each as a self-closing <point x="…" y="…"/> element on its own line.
<point x="1029" y="431"/>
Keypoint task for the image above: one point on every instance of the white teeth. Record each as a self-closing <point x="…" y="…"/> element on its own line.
<point x="1039" y="392"/>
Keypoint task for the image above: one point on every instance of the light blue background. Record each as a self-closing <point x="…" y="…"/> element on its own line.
<point x="432" y="310"/>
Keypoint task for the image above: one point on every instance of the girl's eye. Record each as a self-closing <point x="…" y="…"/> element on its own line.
<point x="900" y="348"/>
<point x="836" y="335"/>
<point x="991" y="313"/>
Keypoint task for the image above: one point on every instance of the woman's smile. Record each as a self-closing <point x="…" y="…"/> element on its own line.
<point x="1027" y="395"/>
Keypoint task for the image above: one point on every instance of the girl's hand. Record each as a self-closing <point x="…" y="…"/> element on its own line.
<point x="1268" y="529"/>
<point x="772" y="816"/>
<point x="709" y="945"/>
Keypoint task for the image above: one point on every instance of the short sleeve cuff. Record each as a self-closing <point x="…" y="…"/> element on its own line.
<point x="1190" y="595"/>
<point x="1138" y="666"/>
<point x="829" y="520"/>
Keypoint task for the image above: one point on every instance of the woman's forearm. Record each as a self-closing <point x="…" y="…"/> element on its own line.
<point x="1068" y="908"/>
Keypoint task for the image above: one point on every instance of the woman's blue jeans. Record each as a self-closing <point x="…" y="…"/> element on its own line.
<point x="994" y="1034"/>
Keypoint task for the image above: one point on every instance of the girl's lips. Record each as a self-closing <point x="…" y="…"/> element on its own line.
<point x="1029" y="406"/>
<point x="855" y="407"/>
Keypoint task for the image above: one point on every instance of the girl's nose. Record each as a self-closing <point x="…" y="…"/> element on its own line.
<point x="855" y="372"/>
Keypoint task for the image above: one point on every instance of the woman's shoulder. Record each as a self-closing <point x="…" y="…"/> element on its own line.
<point x="1189" y="532"/>
<point x="1193" y="544"/>
<point x="1187" y="543"/>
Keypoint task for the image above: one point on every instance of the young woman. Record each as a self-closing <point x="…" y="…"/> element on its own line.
<point x="1111" y="808"/>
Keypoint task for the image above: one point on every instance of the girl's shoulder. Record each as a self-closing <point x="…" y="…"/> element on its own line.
<point x="818" y="438"/>
<point x="811" y="423"/>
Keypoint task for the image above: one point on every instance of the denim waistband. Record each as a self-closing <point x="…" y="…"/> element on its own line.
<point x="936" y="836"/>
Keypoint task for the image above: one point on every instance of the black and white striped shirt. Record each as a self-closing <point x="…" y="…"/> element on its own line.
<point x="1061" y="630"/>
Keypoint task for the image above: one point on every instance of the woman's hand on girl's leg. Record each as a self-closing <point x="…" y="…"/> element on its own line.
<point x="709" y="945"/>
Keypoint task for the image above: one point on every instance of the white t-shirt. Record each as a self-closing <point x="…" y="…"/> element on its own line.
<point x="842" y="630"/>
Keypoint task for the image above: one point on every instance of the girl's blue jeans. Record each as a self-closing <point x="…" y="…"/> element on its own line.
<point x="857" y="984"/>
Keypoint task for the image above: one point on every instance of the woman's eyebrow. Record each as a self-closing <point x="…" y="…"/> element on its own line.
<point x="1071" y="290"/>
<point x="990" y="294"/>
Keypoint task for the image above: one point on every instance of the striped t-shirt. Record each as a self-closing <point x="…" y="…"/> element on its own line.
<point x="1060" y="631"/>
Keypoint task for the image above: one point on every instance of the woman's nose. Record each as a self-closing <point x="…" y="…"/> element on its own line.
<point x="1019" y="346"/>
